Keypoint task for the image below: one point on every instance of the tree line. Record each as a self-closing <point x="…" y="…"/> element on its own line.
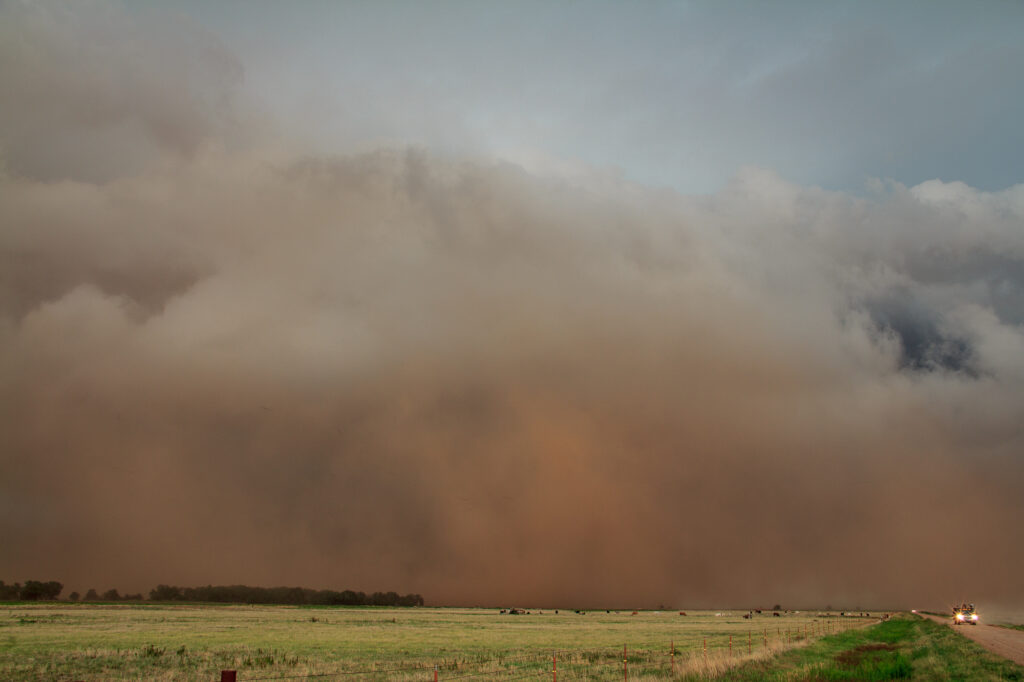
<point x="243" y="594"/>
<point x="34" y="590"/>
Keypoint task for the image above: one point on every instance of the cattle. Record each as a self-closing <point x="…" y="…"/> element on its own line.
<point x="777" y="614"/>
<point x="634" y="613"/>
<point x="682" y="613"/>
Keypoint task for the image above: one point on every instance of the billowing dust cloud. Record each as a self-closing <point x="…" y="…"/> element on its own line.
<point x="393" y="371"/>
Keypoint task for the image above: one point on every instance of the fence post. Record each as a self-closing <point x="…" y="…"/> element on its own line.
<point x="435" y="672"/>
<point x="730" y="646"/>
<point x="705" y="649"/>
<point x="672" y="656"/>
<point x="625" y="664"/>
<point x="228" y="675"/>
<point x="766" y="638"/>
<point x="554" y="666"/>
<point x="748" y="641"/>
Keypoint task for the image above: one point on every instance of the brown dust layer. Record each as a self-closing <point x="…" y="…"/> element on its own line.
<point x="222" y="362"/>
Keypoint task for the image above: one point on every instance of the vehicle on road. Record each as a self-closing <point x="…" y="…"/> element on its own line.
<point x="964" y="614"/>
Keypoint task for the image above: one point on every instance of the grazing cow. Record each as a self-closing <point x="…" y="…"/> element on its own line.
<point x="748" y="615"/>
<point x="777" y="614"/>
<point x="635" y="612"/>
<point x="682" y="613"/>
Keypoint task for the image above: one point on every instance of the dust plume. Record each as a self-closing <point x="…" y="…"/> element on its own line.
<point x="221" y="363"/>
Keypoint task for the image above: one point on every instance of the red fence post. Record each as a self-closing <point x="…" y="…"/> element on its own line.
<point x="228" y="675"/>
<point x="705" y="649"/>
<point x="554" y="666"/>
<point x="730" y="646"/>
<point x="673" y="657"/>
<point x="625" y="664"/>
<point x="435" y="673"/>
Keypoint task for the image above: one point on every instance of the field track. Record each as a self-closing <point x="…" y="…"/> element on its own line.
<point x="1002" y="641"/>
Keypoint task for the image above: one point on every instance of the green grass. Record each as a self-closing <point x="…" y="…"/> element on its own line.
<point x="194" y="642"/>
<point x="906" y="647"/>
<point x="1011" y="626"/>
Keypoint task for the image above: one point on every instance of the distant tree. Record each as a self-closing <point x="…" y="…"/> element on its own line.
<point x="74" y="596"/>
<point x="777" y="607"/>
<point x="111" y="595"/>
<point x="34" y="590"/>
<point x="10" y="592"/>
<point x="91" y="595"/>
<point x="132" y="597"/>
<point x="165" y="593"/>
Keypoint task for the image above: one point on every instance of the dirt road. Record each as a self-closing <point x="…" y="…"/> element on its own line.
<point x="1002" y="641"/>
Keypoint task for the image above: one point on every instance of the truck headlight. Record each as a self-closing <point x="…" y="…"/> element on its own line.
<point x="974" y="617"/>
<point x="959" y="616"/>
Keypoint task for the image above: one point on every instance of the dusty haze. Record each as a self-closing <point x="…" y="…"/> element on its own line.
<point x="224" y="361"/>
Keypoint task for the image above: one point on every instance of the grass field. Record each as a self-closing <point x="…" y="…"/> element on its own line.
<point x="906" y="647"/>
<point x="196" y="642"/>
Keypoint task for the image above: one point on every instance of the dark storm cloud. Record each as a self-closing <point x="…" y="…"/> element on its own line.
<point x="397" y="371"/>
<point x="923" y="345"/>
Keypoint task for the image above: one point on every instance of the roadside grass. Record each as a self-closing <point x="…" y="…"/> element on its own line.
<point x="1010" y="626"/>
<point x="905" y="647"/>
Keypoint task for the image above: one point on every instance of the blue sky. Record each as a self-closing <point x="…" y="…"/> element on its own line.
<point x="667" y="93"/>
